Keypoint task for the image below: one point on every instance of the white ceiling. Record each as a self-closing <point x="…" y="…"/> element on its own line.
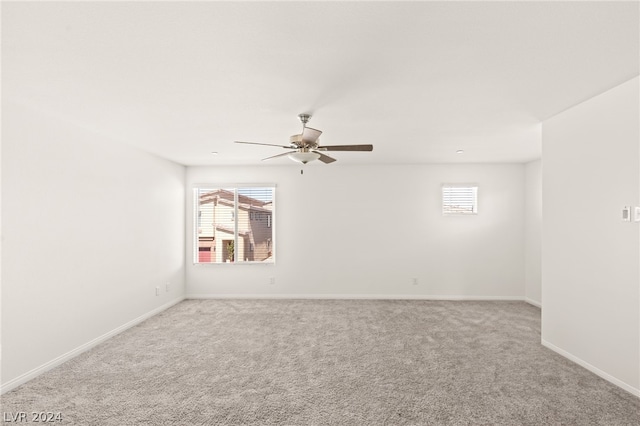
<point x="418" y="80"/>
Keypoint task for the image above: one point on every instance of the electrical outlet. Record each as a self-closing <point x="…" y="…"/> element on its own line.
<point x="414" y="281"/>
<point x="272" y="280"/>
<point x="157" y="291"/>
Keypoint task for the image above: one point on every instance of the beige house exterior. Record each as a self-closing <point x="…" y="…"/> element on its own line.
<point x="217" y="222"/>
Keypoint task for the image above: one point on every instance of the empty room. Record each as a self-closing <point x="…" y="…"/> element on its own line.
<point x="320" y="213"/>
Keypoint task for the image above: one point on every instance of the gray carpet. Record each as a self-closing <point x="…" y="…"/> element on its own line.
<point x="328" y="362"/>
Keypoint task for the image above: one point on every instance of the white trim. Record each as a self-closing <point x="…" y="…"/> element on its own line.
<point x="227" y="185"/>
<point x="608" y="377"/>
<point x="533" y="302"/>
<point x="352" y="296"/>
<point x="12" y="384"/>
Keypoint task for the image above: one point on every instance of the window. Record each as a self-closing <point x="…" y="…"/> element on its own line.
<point x="234" y="224"/>
<point x="459" y="199"/>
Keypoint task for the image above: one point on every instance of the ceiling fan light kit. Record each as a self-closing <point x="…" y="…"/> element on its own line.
<point x="304" y="157"/>
<point x="306" y="145"/>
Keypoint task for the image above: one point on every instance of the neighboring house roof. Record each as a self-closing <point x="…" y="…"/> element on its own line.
<point x="246" y="203"/>
<point x="231" y="230"/>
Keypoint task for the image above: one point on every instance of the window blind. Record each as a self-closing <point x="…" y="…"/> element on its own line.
<point x="459" y="199"/>
<point x="234" y="225"/>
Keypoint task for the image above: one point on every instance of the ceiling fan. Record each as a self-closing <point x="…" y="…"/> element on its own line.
<point x="306" y="145"/>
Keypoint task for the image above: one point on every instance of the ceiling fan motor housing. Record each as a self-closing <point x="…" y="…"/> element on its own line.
<point x="296" y="140"/>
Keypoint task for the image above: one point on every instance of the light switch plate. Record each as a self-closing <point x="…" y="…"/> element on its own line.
<point x="626" y="214"/>
<point x="636" y="214"/>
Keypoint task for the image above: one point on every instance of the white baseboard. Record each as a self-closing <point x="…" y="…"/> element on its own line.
<point x="595" y="370"/>
<point x="14" y="383"/>
<point x="533" y="302"/>
<point x="351" y="296"/>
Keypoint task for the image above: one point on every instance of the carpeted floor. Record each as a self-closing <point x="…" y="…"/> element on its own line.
<point x="328" y="362"/>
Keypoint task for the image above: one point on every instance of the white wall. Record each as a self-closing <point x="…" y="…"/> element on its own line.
<point x="590" y="257"/>
<point x="89" y="231"/>
<point x="533" y="232"/>
<point x="366" y="231"/>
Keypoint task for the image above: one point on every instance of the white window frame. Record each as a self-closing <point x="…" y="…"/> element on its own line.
<point x="466" y="192"/>
<point x="234" y="187"/>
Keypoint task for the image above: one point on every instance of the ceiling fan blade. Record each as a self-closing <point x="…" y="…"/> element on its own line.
<point x="266" y="144"/>
<point x="279" y="155"/>
<point x="310" y="135"/>
<point x="346" y="148"/>
<point x="325" y="158"/>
